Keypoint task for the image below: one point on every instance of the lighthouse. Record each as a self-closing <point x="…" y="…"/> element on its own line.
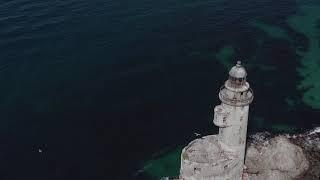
<point x="232" y="115"/>
<point x="221" y="157"/>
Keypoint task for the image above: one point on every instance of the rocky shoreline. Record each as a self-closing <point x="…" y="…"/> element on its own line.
<point x="283" y="157"/>
<point x="278" y="157"/>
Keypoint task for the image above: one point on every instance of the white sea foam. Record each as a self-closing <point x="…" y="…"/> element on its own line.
<point x="315" y="131"/>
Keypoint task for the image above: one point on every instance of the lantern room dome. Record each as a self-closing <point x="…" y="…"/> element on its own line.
<point x="238" y="71"/>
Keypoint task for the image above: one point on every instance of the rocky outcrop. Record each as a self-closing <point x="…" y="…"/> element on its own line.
<point x="310" y="143"/>
<point x="277" y="158"/>
<point x="283" y="157"/>
<point x="206" y="159"/>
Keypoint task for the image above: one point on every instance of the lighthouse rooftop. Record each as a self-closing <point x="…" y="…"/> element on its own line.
<point x="238" y="71"/>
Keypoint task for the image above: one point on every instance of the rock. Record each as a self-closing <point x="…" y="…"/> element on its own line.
<point x="310" y="143"/>
<point x="270" y="175"/>
<point x="276" y="159"/>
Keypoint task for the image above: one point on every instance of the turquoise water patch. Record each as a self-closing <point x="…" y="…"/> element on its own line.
<point x="166" y="165"/>
<point x="305" y="22"/>
<point x="225" y="55"/>
<point x="271" y="30"/>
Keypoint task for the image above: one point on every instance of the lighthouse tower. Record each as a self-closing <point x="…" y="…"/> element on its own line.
<point x="232" y="115"/>
<point x="221" y="157"/>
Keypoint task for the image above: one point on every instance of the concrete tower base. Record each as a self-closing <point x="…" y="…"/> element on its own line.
<point x="206" y="159"/>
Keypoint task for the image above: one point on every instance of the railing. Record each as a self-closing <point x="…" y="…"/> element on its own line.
<point x="238" y="99"/>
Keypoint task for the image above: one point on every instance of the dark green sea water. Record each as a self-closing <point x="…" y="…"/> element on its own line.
<point x="94" y="89"/>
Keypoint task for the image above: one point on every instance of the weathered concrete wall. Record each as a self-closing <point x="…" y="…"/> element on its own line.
<point x="204" y="159"/>
<point x="234" y="134"/>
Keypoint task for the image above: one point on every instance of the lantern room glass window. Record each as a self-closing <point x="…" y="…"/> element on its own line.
<point x="235" y="82"/>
